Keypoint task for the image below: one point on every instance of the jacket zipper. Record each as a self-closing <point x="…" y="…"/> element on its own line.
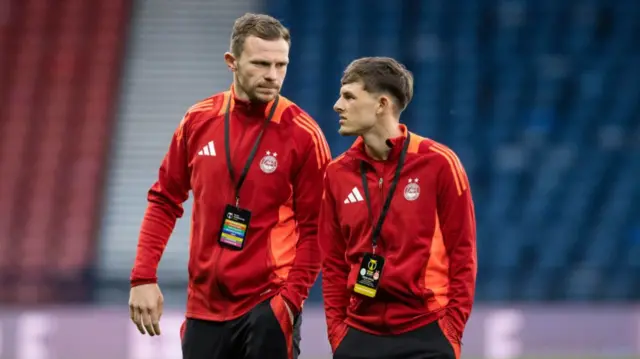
<point x="382" y="198"/>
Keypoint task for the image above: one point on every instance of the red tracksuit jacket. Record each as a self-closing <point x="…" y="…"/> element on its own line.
<point x="283" y="189"/>
<point x="428" y="241"/>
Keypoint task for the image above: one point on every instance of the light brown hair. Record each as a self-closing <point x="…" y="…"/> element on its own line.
<point x="258" y="25"/>
<point x="382" y="74"/>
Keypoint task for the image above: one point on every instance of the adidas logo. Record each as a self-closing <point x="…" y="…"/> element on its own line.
<point x="208" y="150"/>
<point x="354" y="196"/>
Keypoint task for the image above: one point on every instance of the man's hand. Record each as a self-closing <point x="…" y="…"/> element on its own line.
<point x="145" y="308"/>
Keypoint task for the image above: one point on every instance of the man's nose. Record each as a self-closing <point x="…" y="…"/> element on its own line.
<point x="271" y="74"/>
<point x="337" y="108"/>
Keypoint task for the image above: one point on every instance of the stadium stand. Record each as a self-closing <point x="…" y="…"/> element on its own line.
<point x="175" y="59"/>
<point x="540" y="99"/>
<point x="61" y="65"/>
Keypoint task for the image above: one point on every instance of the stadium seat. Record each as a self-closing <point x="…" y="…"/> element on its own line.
<point x="540" y="101"/>
<point x="56" y="114"/>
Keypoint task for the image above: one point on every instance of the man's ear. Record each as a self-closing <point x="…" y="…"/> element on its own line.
<point x="230" y="60"/>
<point x="384" y="104"/>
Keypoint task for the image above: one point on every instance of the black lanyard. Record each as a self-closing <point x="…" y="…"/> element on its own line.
<point x="385" y="208"/>
<point x="252" y="155"/>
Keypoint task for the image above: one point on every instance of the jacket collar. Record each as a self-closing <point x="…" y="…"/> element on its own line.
<point x="249" y="108"/>
<point x="357" y="149"/>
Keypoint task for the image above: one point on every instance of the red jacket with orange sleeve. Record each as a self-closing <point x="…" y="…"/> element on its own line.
<point x="428" y="241"/>
<point x="282" y="189"/>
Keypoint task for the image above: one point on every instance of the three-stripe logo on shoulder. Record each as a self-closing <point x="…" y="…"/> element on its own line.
<point x="208" y="150"/>
<point x="354" y="196"/>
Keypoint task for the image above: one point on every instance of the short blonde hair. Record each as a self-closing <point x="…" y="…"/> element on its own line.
<point x="259" y="25"/>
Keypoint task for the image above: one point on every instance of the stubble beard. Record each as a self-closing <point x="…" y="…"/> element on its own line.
<point x="250" y="92"/>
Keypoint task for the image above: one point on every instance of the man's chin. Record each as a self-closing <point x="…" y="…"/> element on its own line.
<point x="343" y="131"/>
<point x="264" y="96"/>
<point x="264" y="99"/>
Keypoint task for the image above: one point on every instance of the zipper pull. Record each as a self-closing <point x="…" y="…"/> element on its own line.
<point x="380" y="183"/>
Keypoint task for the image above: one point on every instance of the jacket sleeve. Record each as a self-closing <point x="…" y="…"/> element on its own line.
<point x="165" y="199"/>
<point x="307" y="193"/>
<point x="457" y="223"/>
<point x="335" y="269"/>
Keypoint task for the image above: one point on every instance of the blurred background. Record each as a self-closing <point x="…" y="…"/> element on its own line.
<point x="539" y="98"/>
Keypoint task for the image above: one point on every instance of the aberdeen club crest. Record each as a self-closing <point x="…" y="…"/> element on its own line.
<point x="269" y="163"/>
<point x="412" y="190"/>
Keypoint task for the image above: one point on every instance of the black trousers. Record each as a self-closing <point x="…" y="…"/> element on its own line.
<point x="428" y="342"/>
<point x="265" y="332"/>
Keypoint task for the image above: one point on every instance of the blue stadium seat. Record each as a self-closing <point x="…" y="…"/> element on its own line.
<point x="540" y="101"/>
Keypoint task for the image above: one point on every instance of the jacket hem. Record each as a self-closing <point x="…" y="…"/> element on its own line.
<point x="394" y="329"/>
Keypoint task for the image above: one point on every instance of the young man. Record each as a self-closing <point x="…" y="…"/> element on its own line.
<point x="399" y="266"/>
<point x="254" y="252"/>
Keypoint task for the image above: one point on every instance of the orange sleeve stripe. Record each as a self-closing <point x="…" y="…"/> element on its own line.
<point x="283" y="104"/>
<point x="180" y="130"/>
<point x="202" y="105"/>
<point x="296" y="120"/>
<point x="225" y="102"/>
<point x="460" y="168"/>
<point x="324" y="147"/>
<point x="456" y="168"/>
<point x="414" y="143"/>
<point x="454" y="172"/>
<point x="322" y="153"/>
<point x="456" y="160"/>
<point x="337" y="159"/>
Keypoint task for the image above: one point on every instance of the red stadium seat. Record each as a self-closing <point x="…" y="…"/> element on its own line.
<point x="55" y="116"/>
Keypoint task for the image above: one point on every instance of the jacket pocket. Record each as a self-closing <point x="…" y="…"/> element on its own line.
<point x="450" y="334"/>
<point x="280" y="311"/>
<point x="338" y="337"/>
<point x="449" y="331"/>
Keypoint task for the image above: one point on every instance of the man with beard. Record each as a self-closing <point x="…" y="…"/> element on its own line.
<point x="254" y="251"/>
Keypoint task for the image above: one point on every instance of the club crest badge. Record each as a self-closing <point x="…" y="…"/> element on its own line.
<point x="269" y="163"/>
<point x="412" y="190"/>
